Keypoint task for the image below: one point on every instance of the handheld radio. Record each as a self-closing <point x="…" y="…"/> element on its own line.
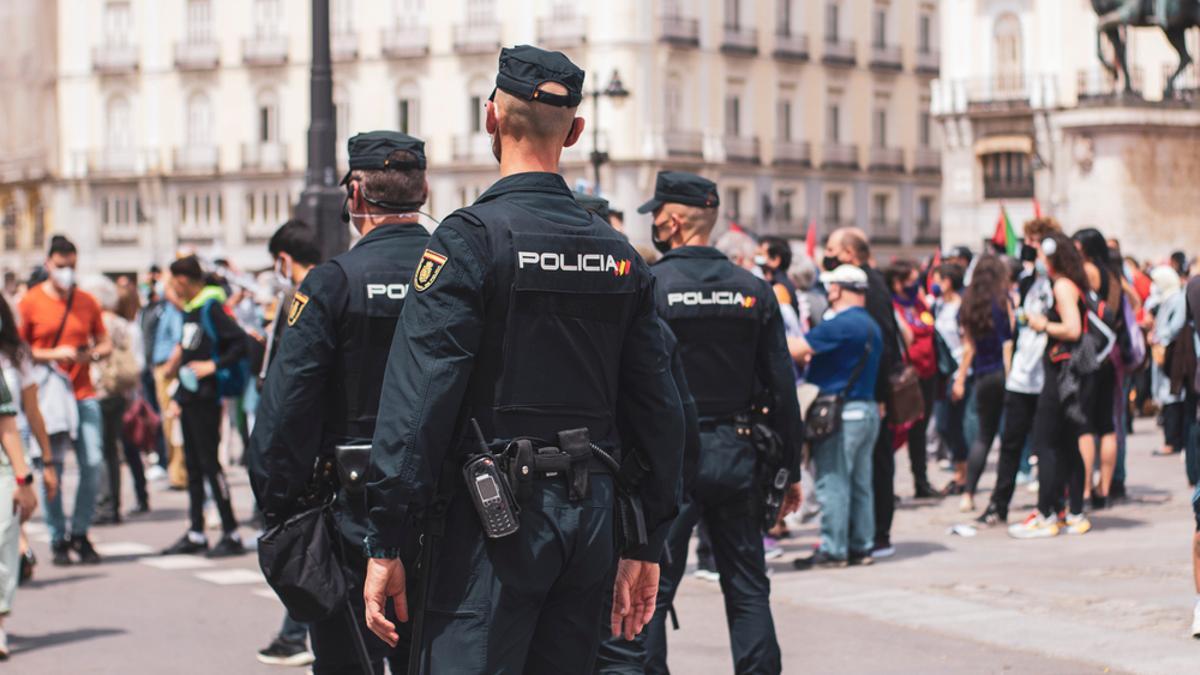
<point x="490" y="491"/>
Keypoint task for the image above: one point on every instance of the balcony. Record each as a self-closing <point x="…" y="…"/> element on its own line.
<point x="1002" y="93"/>
<point x="886" y="57"/>
<point x="684" y="143"/>
<point x="791" y="47"/>
<point x="743" y="150"/>
<point x="196" y="159"/>
<point x="115" y="59"/>
<point x="739" y="40"/>
<point x="113" y="162"/>
<point x="928" y="232"/>
<point x="1008" y="188"/>
<point x="679" y="31"/>
<point x="264" y="156"/>
<point x="927" y="161"/>
<point x="265" y="50"/>
<point x="199" y="231"/>
<point x="883" y="231"/>
<point x="929" y="61"/>
<point x="887" y="159"/>
<point x="477" y="38"/>
<point x="840" y="52"/>
<point x="197" y="55"/>
<point x="343" y="46"/>
<point x="562" y="32"/>
<point x="840" y="156"/>
<point x="793" y="153"/>
<point x="1098" y="86"/>
<point x="119" y="233"/>
<point x="405" y="42"/>
<point x="473" y="148"/>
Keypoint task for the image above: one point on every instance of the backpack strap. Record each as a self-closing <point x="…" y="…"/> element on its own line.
<point x="210" y="329"/>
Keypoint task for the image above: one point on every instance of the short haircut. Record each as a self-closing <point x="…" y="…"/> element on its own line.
<point x="533" y="119"/>
<point x="898" y="271"/>
<point x="60" y="245"/>
<point x="394" y="186"/>
<point x="298" y="240"/>
<point x="736" y="245"/>
<point x="854" y="241"/>
<point x="189" y="268"/>
<point x="1040" y="228"/>
<point x="778" y="247"/>
<point x="953" y="274"/>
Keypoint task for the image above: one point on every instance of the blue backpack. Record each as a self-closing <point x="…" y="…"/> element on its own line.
<point x="231" y="380"/>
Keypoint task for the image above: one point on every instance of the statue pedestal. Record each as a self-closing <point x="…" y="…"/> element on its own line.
<point x="1133" y="172"/>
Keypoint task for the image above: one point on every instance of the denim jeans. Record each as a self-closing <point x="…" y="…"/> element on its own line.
<point x="292" y="630"/>
<point x="89" y="456"/>
<point x="843" y="465"/>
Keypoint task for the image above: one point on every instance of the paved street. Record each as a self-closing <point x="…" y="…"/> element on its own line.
<point x="1116" y="600"/>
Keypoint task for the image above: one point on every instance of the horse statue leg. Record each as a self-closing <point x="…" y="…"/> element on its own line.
<point x="1114" y="36"/>
<point x="1110" y="67"/>
<point x="1177" y="36"/>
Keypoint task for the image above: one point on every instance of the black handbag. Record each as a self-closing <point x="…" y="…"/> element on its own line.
<point x="298" y="559"/>
<point x="825" y="414"/>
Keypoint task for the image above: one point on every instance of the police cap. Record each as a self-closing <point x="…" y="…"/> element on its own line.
<point x="593" y="204"/>
<point x="680" y="187"/>
<point x="524" y="68"/>
<point x="369" y="151"/>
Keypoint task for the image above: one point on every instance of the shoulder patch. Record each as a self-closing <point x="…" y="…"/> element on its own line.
<point x="299" y="302"/>
<point x="428" y="270"/>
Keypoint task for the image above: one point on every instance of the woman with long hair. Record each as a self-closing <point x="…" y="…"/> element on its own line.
<point x="1055" y="436"/>
<point x="1104" y="282"/>
<point x="986" y="320"/>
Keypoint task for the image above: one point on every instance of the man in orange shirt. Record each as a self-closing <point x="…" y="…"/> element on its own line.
<point x="63" y="326"/>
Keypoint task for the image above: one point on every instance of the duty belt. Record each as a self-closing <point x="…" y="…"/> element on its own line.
<point x="575" y="457"/>
<point x="740" y="421"/>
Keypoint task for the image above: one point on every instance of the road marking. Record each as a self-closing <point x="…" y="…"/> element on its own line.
<point x="121" y="548"/>
<point x="265" y="593"/>
<point x="177" y="562"/>
<point x="231" y="577"/>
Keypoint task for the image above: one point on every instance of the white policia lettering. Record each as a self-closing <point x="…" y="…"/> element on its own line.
<point x="393" y="291"/>
<point x="693" y="298"/>
<point x="581" y="262"/>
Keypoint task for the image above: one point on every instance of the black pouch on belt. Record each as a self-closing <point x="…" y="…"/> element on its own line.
<point x="519" y="457"/>
<point x="576" y="444"/>
<point x="352" y="462"/>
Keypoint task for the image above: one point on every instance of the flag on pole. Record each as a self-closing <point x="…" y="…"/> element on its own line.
<point x="1037" y="208"/>
<point x="810" y="239"/>
<point x="937" y="262"/>
<point x="1005" y="236"/>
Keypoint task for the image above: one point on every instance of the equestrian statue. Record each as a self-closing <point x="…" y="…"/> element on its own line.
<point x="1174" y="17"/>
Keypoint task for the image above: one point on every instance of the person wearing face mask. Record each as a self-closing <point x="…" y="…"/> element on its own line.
<point x="322" y="387"/>
<point x="903" y="278"/>
<point x="65" y="330"/>
<point x="775" y="259"/>
<point x="1026" y="377"/>
<point x="732" y="340"/>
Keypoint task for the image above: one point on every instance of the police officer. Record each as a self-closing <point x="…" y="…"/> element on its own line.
<point x="322" y="390"/>
<point x="732" y="342"/>
<point x="534" y="320"/>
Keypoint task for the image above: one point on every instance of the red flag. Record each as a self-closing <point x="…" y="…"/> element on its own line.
<point x="734" y="227"/>
<point x="1000" y="236"/>
<point x="937" y="261"/>
<point x="810" y="239"/>
<point x="1037" y="208"/>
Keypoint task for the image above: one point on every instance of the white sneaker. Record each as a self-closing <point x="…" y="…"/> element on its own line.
<point x="4" y="643"/>
<point x="1036" y="526"/>
<point x="155" y="473"/>
<point x="966" y="504"/>
<point x="1196" y="622"/>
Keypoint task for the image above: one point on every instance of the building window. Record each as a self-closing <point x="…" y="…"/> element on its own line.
<point x="118" y="124"/>
<point x="880" y="33"/>
<point x="924" y="212"/>
<point x="1007" y="175"/>
<point x="341" y="17"/>
<point x="925" y="129"/>
<point x="833" y="123"/>
<point x="410" y="12"/>
<point x="268" y="16"/>
<point x="406" y="115"/>
<point x="199" y="21"/>
<point x="733" y="209"/>
<point x="783" y="17"/>
<point x="733" y="14"/>
<point x="118" y="23"/>
<point x="833" y="209"/>
<point x="10" y="228"/>
<point x="832" y="22"/>
<point x="880" y="123"/>
<point x="1007" y="58"/>
<point x="481" y="12"/>
<point x="39" y="226"/>
<point x="880" y="215"/>
<point x="199" y="120"/>
<point x="673" y="102"/>
<point x="733" y="115"/>
<point x="784" y="205"/>
<point x="268" y="118"/>
<point x="783" y="121"/>
<point x="673" y="9"/>
<point x="925" y="33"/>
<point x="475" y="115"/>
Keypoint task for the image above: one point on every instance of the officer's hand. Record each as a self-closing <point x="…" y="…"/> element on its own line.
<point x="634" y="596"/>
<point x="793" y="499"/>
<point x="385" y="579"/>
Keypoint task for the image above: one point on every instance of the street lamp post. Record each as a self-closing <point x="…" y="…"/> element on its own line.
<point x="321" y="201"/>
<point x="616" y="91"/>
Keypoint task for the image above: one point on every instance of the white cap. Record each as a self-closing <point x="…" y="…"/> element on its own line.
<point x="848" y="276"/>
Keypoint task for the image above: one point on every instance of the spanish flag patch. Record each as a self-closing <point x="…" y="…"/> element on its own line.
<point x="428" y="270"/>
<point x="299" y="302"/>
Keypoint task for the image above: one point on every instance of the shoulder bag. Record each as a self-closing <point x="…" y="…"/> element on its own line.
<point x="824" y="417"/>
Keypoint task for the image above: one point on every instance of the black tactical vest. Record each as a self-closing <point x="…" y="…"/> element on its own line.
<point x="561" y="301"/>
<point x="379" y="272"/>
<point x="716" y="311"/>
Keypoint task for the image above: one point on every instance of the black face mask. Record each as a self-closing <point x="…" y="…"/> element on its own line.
<point x="1028" y="253"/>
<point x="659" y="245"/>
<point x="830" y="263"/>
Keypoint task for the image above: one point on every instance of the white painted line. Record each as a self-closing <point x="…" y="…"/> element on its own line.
<point x="119" y="548"/>
<point x="177" y="562"/>
<point x="231" y="577"/>
<point x="265" y="593"/>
